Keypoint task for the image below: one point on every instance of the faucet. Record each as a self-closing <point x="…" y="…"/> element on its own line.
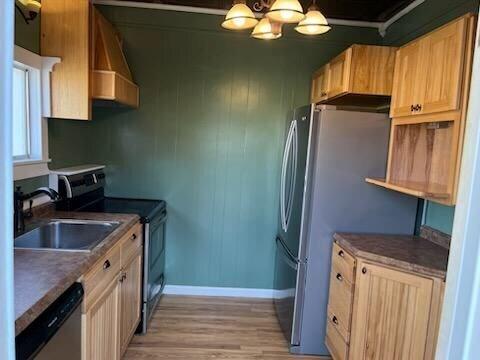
<point x="19" y="197"/>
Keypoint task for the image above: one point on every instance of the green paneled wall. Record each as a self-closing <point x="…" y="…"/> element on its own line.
<point x="440" y="217"/>
<point x="207" y="136"/>
<point x="426" y="17"/>
<point x="27" y="35"/>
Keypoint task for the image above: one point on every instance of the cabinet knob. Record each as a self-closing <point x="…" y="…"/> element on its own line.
<point x="335" y="320"/>
<point x="133" y="237"/>
<point x="364" y="270"/>
<point x="106" y="264"/>
<point x="339" y="277"/>
<point x="341" y="253"/>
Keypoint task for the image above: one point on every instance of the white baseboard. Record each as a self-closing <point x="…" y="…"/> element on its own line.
<point x="227" y="292"/>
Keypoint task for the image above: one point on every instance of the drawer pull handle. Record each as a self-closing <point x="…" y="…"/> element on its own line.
<point x="133" y="237"/>
<point x="339" y="277"/>
<point x="335" y="320"/>
<point x="341" y="253"/>
<point x="364" y="270"/>
<point x="106" y="264"/>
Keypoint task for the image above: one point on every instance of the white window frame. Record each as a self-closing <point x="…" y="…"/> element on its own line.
<point x="39" y="69"/>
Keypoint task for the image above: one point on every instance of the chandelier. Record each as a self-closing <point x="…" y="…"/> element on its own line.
<point x="279" y="12"/>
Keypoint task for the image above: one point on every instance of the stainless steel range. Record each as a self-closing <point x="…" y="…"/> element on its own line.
<point x="82" y="189"/>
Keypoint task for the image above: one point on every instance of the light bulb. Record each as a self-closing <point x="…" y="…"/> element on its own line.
<point x="312" y="29"/>
<point x="239" y="22"/>
<point x="286" y="15"/>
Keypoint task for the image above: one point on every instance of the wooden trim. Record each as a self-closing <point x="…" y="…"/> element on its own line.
<point x="434" y="318"/>
<point x="472" y="25"/>
<point x="427" y="118"/>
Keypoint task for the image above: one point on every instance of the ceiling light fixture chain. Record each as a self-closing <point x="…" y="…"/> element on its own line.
<point x="262" y="5"/>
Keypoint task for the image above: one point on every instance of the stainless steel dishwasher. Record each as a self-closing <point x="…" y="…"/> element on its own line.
<point x="56" y="333"/>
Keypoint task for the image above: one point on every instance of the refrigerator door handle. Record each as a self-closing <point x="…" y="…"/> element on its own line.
<point x="293" y="175"/>
<point x="286" y="254"/>
<point x="286" y="152"/>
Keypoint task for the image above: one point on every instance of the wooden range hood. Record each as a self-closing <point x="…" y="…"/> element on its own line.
<point x="112" y="79"/>
<point x="93" y="68"/>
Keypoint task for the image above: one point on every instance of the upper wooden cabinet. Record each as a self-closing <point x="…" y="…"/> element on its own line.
<point x="93" y="65"/>
<point x="339" y="74"/>
<point x="320" y="85"/>
<point x="429" y="107"/>
<point x="429" y="71"/>
<point x="353" y="77"/>
<point x="407" y="80"/>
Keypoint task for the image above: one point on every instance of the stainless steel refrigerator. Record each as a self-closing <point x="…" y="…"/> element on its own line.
<point x="327" y="155"/>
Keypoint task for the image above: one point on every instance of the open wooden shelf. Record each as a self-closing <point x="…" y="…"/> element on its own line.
<point x="412" y="188"/>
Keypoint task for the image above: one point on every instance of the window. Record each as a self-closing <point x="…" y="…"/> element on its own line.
<point x="31" y="107"/>
<point x="21" y="114"/>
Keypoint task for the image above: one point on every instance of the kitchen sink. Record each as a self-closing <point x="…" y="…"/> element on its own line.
<point x="66" y="235"/>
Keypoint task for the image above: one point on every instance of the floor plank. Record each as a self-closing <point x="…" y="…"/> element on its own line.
<point x="206" y="328"/>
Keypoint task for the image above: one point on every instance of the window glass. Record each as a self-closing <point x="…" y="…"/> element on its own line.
<point x="21" y="136"/>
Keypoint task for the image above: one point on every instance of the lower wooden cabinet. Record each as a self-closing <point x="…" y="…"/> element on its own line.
<point x="395" y="314"/>
<point x="112" y="304"/>
<point x="100" y="325"/>
<point x="130" y="300"/>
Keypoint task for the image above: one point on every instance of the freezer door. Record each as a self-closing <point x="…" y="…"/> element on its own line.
<point x="286" y="267"/>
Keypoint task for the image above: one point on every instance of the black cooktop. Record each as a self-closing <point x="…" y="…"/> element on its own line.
<point x="146" y="209"/>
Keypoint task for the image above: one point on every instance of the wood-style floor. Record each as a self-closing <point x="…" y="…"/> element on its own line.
<point x="201" y="328"/>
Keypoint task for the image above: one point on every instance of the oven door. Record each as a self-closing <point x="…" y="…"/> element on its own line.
<point x="154" y="266"/>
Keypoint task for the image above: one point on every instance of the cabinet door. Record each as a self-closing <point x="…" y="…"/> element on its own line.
<point x="320" y="85"/>
<point x="130" y="295"/>
<point x="101" y="326"/>
<point x="443" y="54"/>
<point x="339" y="74"/>
<point x="407" y="85"/>
<point x="66" y="32"/>
<point x="391" y="314"/>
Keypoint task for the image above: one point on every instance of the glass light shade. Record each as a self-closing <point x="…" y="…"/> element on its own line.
<point x="267" y="30"/>
<point x="240" y="17"/>
<point x="313" y="24"/>
<point x="286" y="11"/>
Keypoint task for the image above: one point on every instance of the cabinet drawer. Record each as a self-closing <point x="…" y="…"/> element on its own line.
<point x="340" y="302"/>
<point x="342" y="325"/>
<point x="336" y="345"/>
<point x="343" y="262"/>
<point x="130" y="243"/>
<point x="102" y="273"/>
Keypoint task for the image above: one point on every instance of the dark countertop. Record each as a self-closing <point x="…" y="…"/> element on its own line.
<point x="410" y="253"/>
<point x="41" y="276"/>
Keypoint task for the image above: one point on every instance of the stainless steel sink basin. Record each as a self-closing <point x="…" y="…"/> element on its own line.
<point x="66" y="235"/>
